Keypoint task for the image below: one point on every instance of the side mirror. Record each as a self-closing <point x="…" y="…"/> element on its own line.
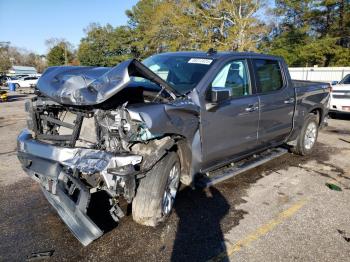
<point x="334" y="83"/>
<point x="219" y="94"/>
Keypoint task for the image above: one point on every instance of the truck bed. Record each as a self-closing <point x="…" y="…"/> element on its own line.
<point x="304" y="83"/>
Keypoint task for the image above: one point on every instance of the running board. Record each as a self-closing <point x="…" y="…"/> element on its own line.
<point x="221" y="174"/>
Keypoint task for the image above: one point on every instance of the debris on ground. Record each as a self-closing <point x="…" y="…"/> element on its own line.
<point x="333" y="187"/>
<point x="40" y="255"/>
<point x="344" y="140"/>
<point x="3" y="96"/>
<point x="344" y="235"/>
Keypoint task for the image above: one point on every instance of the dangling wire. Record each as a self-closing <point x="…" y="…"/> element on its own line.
<point x="158" y="94"/>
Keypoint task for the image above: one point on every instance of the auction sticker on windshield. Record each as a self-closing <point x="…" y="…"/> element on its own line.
<point x="202" y="61"/>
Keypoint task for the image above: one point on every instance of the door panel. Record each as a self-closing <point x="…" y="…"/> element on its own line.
<point x="229" y="128"/>
<point x="276" y="102"/>
<point x="276" y="116"/>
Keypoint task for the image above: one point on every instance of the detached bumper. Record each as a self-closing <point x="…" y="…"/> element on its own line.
<point x="49" y="165"/>
<point x="74" y="213"/>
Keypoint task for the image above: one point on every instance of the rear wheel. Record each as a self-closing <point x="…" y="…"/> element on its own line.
<point x="156" y="192"/>
<point x="17" y="86"/>
<point x="308" y="136"/>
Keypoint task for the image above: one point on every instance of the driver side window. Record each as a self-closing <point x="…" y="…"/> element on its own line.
<point x="235" y="76"/>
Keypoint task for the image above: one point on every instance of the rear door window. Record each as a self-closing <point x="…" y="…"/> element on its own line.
<point x="268" y="75"/>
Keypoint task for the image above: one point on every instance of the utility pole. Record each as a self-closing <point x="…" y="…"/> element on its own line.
<point x="65" y="53"/>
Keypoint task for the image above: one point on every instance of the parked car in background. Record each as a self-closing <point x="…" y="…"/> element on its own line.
<point x="29" y="81"/>
<point x="21" y="76"/>
<point x="4" y="80"/>
<point x="340" y="96"/>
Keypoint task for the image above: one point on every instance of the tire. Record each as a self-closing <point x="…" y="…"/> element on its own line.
<point x="17" y="86"/>
<point x="307" y="137"/>
<point x="148" y="206"/>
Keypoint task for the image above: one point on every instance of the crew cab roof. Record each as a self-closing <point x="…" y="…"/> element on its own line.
<point x="220" y="55"/>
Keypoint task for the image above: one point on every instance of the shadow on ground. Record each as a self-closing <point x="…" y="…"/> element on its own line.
<point x="199" y="235"/>
<point x="340" y="116"/>
<point x="12" y="97"/>
<point x="193" y="232"/>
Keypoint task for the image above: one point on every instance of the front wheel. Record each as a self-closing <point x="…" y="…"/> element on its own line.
<point x="156" y="192"/>
<point x="308" y="136"/>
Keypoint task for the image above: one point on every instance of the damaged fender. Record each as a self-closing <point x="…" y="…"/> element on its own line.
<point x="180" y="118"/>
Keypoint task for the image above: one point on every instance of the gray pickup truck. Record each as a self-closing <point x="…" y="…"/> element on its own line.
<point x="138" y="130"/>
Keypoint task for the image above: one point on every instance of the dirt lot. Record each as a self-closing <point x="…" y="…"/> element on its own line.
<point x="282" y="210"/>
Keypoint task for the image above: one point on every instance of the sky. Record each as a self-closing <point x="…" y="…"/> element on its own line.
<point x="28" y="23"/>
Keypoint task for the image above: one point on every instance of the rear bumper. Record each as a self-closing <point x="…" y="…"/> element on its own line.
<point x="51" y="166"/>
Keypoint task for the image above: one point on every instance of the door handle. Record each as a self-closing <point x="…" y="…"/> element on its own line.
<point x="289" y="101"/>
<point x="251" y="108"/>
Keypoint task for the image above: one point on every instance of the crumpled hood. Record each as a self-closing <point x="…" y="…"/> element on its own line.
<point x="80" y="85"/>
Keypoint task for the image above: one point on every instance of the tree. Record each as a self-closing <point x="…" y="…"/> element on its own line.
<point x="60" y="54"/>
<point x="5" y="62"/>
<point x="311" y="32"/>
<point x="305" y="32"/>
<point x="160" y="26"/>
<point x="324" y="52"/>
<point x="232" y="25"/>
<point x="105" y="45"/>
<point x="10" y="55"/>
<point x="172" y="25"/>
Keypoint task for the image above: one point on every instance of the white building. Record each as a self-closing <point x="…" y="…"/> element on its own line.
<point x="22" y="70"/>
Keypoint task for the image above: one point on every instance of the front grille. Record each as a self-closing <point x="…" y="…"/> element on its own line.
<point x="341" y="96"/>
<point x="52" y="122"/>
<point x="48" y="128"/>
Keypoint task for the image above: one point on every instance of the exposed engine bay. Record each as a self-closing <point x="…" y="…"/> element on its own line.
<point x="81" y="141"/>
<point x="115" y="131"/>
<point x="88" y="150"/>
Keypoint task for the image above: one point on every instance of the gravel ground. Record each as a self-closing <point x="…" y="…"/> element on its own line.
<point x="279" y="211"/>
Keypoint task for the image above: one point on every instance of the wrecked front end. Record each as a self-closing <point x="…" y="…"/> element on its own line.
<point x="74" y="153"/>
<point x="81" y="141"/>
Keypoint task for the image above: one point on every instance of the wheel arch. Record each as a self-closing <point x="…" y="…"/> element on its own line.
<point x="318" y="111"/>
<point x="182" y="149"/>
<point x="185" y="156"/>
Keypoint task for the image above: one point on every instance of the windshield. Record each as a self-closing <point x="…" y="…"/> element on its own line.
<point x="346" y="80"/>
<point x="183" y="73"/>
